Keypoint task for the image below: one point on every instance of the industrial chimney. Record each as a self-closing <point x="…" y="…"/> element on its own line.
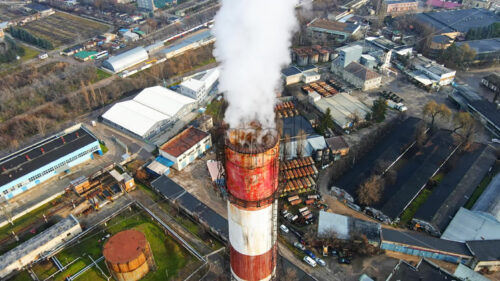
<point x="252" y="165"/>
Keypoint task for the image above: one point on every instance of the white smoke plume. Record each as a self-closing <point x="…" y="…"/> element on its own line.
<point x="253" y="41"/>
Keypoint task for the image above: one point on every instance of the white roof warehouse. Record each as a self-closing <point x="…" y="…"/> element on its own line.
<point x="149" y="112"/>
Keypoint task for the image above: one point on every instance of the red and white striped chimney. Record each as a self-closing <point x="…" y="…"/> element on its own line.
<point x="252" y="181"/>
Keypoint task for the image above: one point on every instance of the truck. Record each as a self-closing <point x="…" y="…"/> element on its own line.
<point x="397" y="106"/>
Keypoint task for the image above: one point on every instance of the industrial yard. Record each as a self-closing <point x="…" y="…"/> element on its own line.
<point x="169" y="255"/>
<point x="249" y="140"/>
<point x="64" y="29"/>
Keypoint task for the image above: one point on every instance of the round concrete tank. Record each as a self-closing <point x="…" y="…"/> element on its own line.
<point x="128" y="255"/>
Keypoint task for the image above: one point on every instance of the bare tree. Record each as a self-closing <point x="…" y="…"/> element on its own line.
<point x="464" y="128"/>
<point x="301" y="143"/>
<point x="435" y="110"/>
<point x="85" y="94"/>
<point x="41" y="124"/>
<point x="371" y="190"/>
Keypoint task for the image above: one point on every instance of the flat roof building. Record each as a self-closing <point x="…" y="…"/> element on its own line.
<point x="126" y="59"/>
<point x="27" y="252"/>
<point x="153" y="110"/>
<point x="186" y="147"/>
<point x="199" y="85"/>
<point x="30" y="166"/>
<point x="323" y="31"/>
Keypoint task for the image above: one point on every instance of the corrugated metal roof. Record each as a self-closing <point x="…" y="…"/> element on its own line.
<point x="126" y="59"/>
<point x="470" y="225"/>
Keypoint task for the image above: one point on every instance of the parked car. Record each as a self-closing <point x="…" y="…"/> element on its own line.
<point x="334" y="252"/>
<point x="284" y="228"/>
<point x="320" y="262"/>
<point x="309" y="261"/>
<point x="311" y="254"/>
<point x="344" y="260"/>
<point x="353" y="206"/>
<point x="299" y="246"/>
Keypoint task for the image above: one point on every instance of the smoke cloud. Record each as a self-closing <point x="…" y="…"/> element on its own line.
<point x="253" y="41"/>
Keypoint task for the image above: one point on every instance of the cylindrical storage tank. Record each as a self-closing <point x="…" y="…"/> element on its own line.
<point x="128" y="255"/>
<point x="252" y="168"/>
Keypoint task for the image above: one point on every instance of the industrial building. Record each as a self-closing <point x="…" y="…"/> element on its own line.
<point x="361" y="77"/>
<point x="435" y="72"/>
<point x="455" y="189"/>
<point x="486" y="254"/>
<point x="469" y="225"/>
<point x="422" y="245"/>
<point x="347" y="65"/>
<point x="424" y="270"/>
<point x="457" y="22"/>
<point x="152" y="111"/>
<point x="323" y="31"/>
<point x="338" y="146"/>
<point x="186" y="147"/>
<point x="197" y="40"/>
<point x="483" y="110"/>
<point x="487" y="50"/>
<point x="126" y="59"/>
<point x="342" y="108"/>
<point x="399" y="6"/>
<point x="128" y="255"/>
<point x="492" y="82"/>
<point x="24" y="254"/>
<point x="43" y="160"/>
<point x="295" y="74"/>
<point x="200" y="85"/>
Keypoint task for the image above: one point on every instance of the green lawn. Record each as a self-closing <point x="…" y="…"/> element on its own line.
<point x="29" y="53"/>
<point x="101" y="74"/>
<point x="169" y="255"/>
<point x="412" y="209"/>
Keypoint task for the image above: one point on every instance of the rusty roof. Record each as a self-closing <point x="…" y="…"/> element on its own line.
<point x="125" y="246"/>
<point x="183" y="141"/>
